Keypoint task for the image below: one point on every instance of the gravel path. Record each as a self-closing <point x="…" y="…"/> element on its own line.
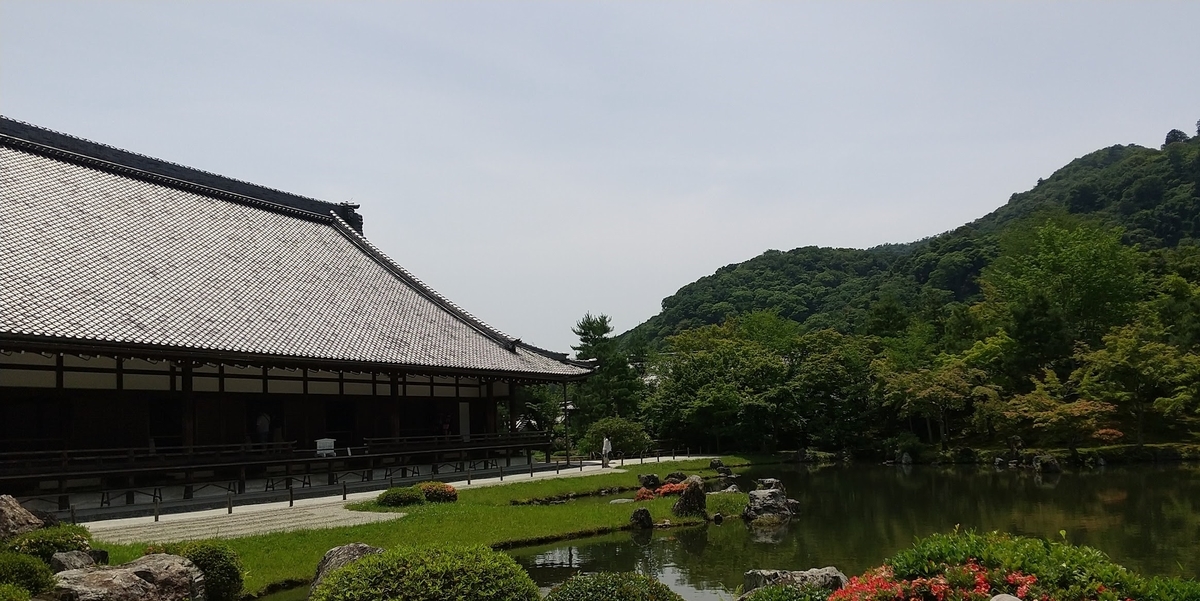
<point x="247" y="520"/>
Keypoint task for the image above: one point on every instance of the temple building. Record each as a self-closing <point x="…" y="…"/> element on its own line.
<point x="161" y="324"/>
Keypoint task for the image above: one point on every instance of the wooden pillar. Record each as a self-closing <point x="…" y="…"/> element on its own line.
<point x="189" y="407"/>
<point x="395" y="397"/>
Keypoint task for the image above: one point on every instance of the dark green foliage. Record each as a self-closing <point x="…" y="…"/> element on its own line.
<point x="1152" y="194"/>
<point x="221" y="566"/>
<point x="399" y="497"/>
<point x="26" y="572"/>
<point x="781" y="592"/>
<point x="438" y="492"/>
<point x="44" y="543"/>
<point x="1066" y="572"/>
<point x="12" y="592"/>
<point x="627" y="436"/>
<point x="612" y="586"/>
<point x="466" y="574"/>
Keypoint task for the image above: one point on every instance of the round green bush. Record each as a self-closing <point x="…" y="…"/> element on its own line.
<point x="399" y="497"/>
<point x="26" y="572"/>
<point x="612" y="586"/>
<point x="782" y="592"/>
<point x="12" y="592"/>
<point x="438" y="492"/>
<point x="44" y="543"/>
<point x="429" y="574"/>
<point x="627" y="437"/>
<point x="221" y="566"/>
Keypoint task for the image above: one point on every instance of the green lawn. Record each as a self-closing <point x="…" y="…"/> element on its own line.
<point x="482" y="516"/>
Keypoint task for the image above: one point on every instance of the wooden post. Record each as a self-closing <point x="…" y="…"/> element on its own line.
<point x="229" y="503"/>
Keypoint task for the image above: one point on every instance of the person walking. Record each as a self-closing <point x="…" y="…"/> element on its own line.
<point x="605" y="451"/>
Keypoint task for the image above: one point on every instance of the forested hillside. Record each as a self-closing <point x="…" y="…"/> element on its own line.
<point x="1070" y="317"/>
<point x="1150" y="193"/>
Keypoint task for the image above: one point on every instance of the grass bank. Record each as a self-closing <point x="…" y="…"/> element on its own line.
<point x="483" y="516"/>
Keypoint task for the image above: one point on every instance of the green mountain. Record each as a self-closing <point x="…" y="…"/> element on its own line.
<point x="1153" y="194"/>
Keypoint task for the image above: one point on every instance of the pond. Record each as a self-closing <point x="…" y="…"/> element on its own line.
<point x="852" y="517"/>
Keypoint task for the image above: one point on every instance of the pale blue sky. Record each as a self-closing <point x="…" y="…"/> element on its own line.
<point x="537" y="160"/>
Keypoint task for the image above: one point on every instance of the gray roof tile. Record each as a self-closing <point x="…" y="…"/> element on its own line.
<point x="88" y="253"/>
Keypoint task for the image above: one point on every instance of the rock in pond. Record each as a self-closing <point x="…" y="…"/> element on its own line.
<point x="828" y="578"/>
<point x="692" y="501"/>
<point x="338" y="557"/>
<point x="724" y="472"/>
<point x="770" y="502"/>
<point x="641" y="519"/>
<point x="906" y="459"/>
<point x="732" y="488"/>
<point x="650" y="481"/>
<point x="15" y="519"/>
<point x="770" y="484"/>
<point x="70" y="560"/>
<point x="675" y="477"/>
<point x="156" y="577"/>
<point x="1047" y="464"/>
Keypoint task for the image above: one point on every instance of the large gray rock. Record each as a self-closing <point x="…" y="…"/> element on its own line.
<point x="641" y="519"/>
<point x="828" y="578"/>
<point x="157" y="577"/>
<point x="715" y="463"/>
<point x="771" y="502"/>
<point x="338" y="557"/>
<point x="70" y="560"/>
<point x="724" y="472"/>
<point x="675" y="477"/>
<point x="692" y="501"/>
<point x="15" y="519"/>
<point x="650" y="481"/>
<point x="1047" y="464"/>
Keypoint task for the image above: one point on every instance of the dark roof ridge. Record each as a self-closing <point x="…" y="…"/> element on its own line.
<point x="111" y="158"/>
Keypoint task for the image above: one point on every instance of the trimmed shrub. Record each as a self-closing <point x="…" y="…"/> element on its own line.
<point x="438" y="492"/>
<point x="644" y="494"/>
<point x="627" y="437"/>
<point x="44" y="543"/>
<point x="612" y="586"/>
<point x="400" y="497"/>
<point x="221" y="566"/>
<point x="429" y="574"/>
<point x="782" y="592"/>
<point x="26" y="572"/>
<point x="12" y="592"/>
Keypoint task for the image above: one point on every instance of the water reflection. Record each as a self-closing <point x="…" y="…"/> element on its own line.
<point x="853" y="517"/>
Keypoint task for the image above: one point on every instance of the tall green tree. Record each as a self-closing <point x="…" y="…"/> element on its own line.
<point x="1140" y="374"/>
<point x="615" y="389"/>
<point x="1059" y="283"/>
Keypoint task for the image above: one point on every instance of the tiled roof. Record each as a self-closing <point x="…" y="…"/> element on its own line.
<point x="91" y="252"/>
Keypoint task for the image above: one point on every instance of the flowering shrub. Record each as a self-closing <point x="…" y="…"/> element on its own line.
<point x="644" y="494"/>
<point x="671" y="489"/>
<point x="973" y="567"/>
<point x="438" y="492"/>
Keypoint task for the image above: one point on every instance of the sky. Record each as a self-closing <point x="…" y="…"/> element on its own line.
<point x="534" y="161"/>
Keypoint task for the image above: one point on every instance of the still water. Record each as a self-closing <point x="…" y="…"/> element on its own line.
<point x="852" y="517"/>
